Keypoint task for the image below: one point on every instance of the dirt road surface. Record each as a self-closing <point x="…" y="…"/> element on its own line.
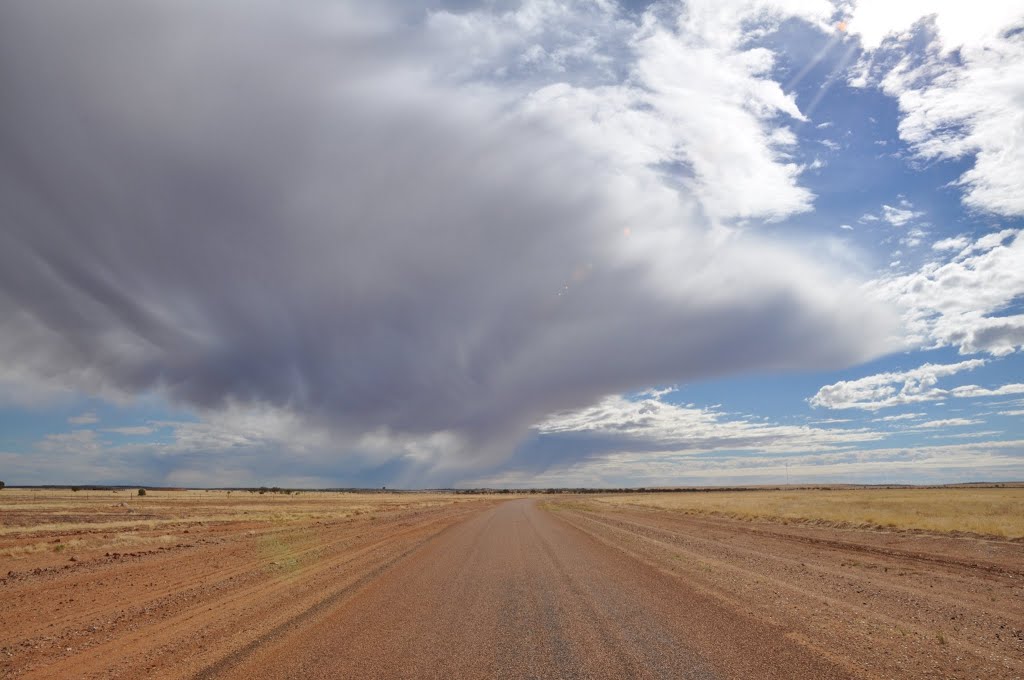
<point x="529" y="589"/>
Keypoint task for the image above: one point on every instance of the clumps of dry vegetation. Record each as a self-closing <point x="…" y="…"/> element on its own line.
<point x="985" y="511"/>
<point x="36" y="523"/>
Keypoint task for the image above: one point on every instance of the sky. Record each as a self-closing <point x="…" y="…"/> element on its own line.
<point x="511" y="243"/>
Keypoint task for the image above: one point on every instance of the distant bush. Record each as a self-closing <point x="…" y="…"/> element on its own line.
<point x="142" y="492"/>
<point x="1" y="484"/>
<point x="272" y="489"/>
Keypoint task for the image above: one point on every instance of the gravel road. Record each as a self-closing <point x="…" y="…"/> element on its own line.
<point x="516" y="593"/>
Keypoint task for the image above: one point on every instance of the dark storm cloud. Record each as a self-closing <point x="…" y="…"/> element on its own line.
<point x="237" y="203"/>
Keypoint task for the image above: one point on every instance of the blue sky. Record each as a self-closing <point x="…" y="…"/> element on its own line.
<point x="534" y="243"/>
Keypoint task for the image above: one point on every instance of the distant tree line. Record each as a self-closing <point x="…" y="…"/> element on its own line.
<point x="272" y="489"/>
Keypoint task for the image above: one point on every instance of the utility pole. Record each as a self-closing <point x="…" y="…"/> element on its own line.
<point x="787" y="473"/>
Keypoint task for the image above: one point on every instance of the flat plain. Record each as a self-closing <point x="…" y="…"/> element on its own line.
<point x="871" y="583"/>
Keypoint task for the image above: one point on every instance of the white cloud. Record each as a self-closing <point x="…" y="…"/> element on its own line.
<point x="914" y="237"/>
<point x="77" y="443"/>
<point x="946" y="422"/>
<point x="899" y="216"/>
<point x="623" y="422"/>
<point x="975" y="434"/>
<point x="531" y="40"/>
<point x="976" y="391"/>
<point x="957" y="23"/>
<point x="240" y="445"/>
<point x="959" y="97"/>
<point x="962" y="302"/>
<point x="951" y="243"/>
<point x="902" y="416"/>
<point x="84" y="419"/>
<point x="633" y="87"/>
<point x="985" y="460"/>
<point x="846" y="227"/>
<point x="729" y="142"/>
<point x="989" y="242"/>
<point x="885" y="390"/>
<point x="131" y="431"/>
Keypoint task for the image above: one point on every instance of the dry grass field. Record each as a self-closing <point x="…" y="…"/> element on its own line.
<point x="979" y="510"/>
<point x="47" y="524"/>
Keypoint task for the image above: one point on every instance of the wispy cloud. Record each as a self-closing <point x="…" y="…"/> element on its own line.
<point x="960" y="96"/>
<point x="902" y="416"/>
<point x="885" y="390"/>
<point x="132" y="430"/>
<point x="945" y="422"/>
<point x="985" y="460"/>
<point x="951" y="243"/>
<point x="900" y="216"/>
<point x="652" y="423"/>
<point x="962" y="302"/>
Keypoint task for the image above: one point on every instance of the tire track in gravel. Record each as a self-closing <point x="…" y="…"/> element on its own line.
<point x="700" y="546"/>
<point x="886" y="613"/>
<point x="206" y="611"/>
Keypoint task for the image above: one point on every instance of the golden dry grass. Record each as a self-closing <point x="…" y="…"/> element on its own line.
<point x="988" y="511"/>
<point x="34" y="521"/>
